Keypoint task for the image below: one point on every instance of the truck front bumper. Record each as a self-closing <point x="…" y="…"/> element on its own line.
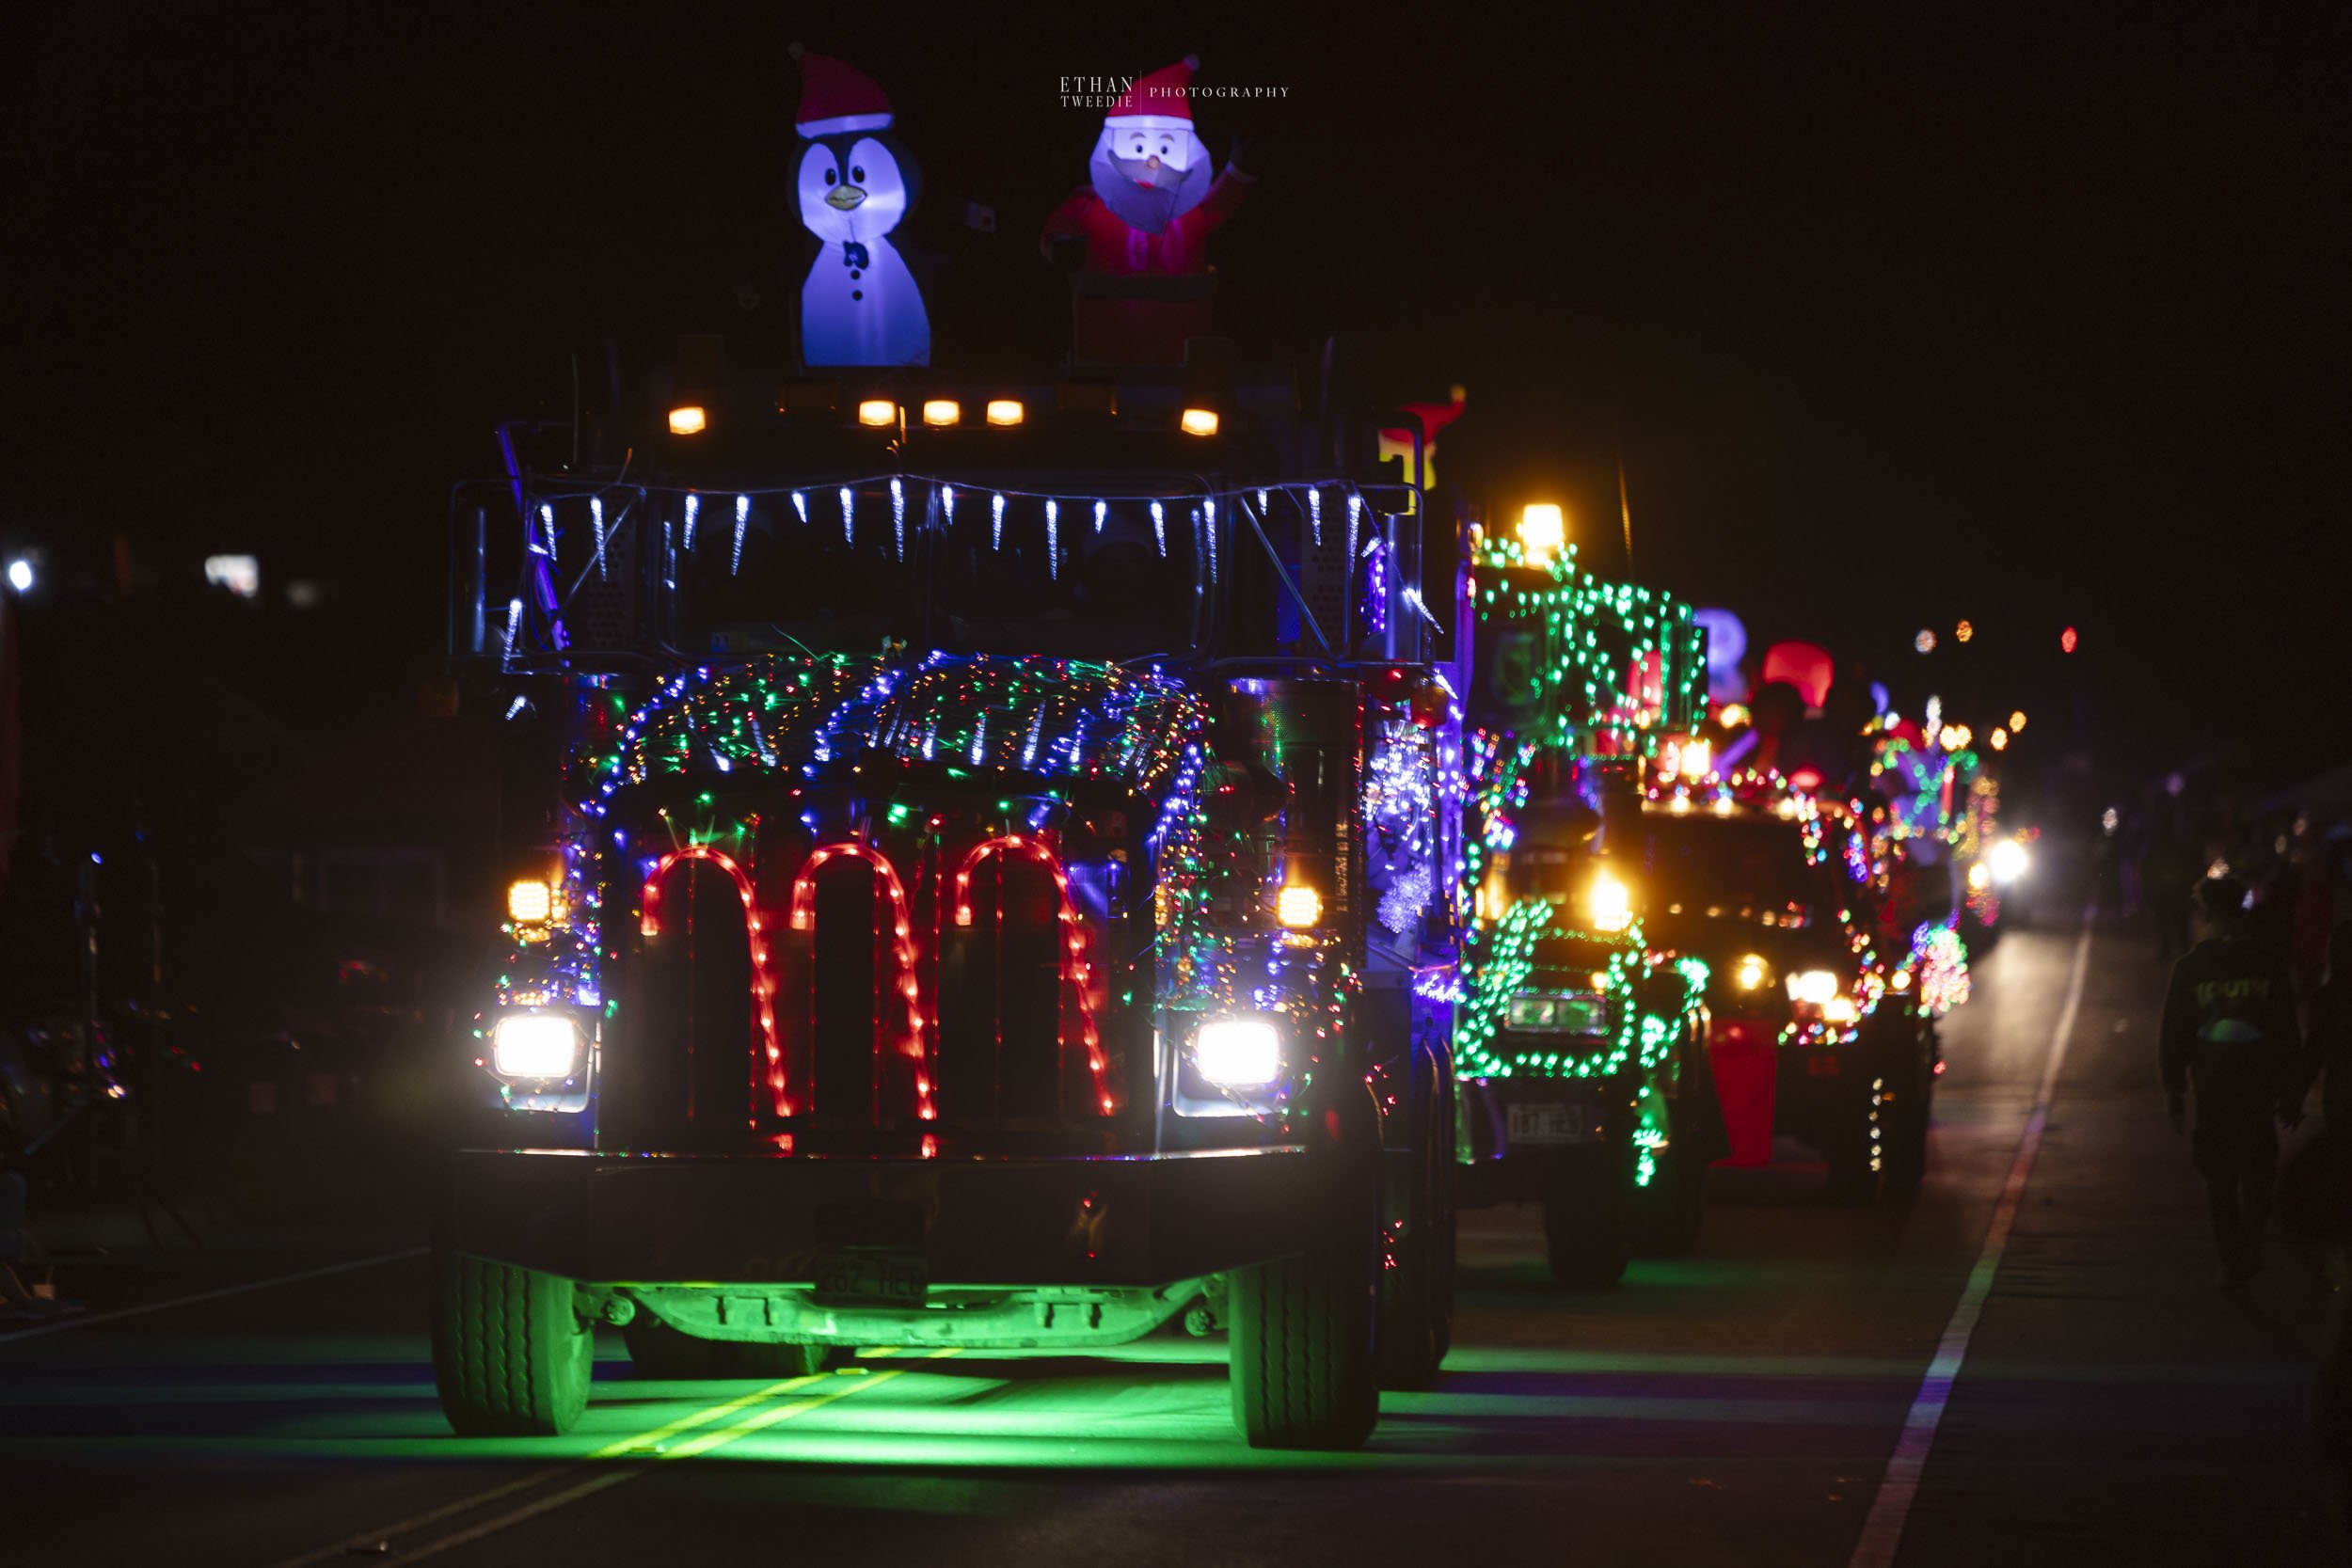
<point x="1516" y="1135"/>
<point x="1082" y="1222"/>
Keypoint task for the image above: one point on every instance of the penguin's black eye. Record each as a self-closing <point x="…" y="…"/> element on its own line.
<point x="858" y="174"/>
<point x="830" y="177"/>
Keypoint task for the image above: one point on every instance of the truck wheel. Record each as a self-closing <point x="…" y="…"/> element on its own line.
<point x="1665" y="1215"/>
<point x="1302" y="1352"/>
<point x="1585" y="1225"/>
<point x="1417" y="1277"/>
<point x="510" y="1358"/>
<point x="1854" y="1180"/>
<point x="1903" y="1129"/>
<point x="659" y="1352"/>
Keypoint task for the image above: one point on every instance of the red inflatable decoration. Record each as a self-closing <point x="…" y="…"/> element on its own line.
<point x="1803" y="665"/>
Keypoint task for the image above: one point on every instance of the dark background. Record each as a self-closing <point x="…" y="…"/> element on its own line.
<point x="2032" y="318"/>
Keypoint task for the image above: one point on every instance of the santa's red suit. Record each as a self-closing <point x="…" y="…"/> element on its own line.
<point x="1145" y="285"/>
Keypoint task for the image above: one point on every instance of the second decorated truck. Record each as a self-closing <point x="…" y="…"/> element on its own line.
<point x="1583" y="1072"/>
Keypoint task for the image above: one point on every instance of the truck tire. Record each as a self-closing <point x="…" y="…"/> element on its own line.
<point x="1903" y="1120"/>
<point x="1663" y="1218"/>
<point x="1585" y="1225"/>
<point x="510" y="1356"/>
<point x="659" y="1352"/>
<point x="1417" y="1276"/>
<point x="1302" y="1352"/>
<point x="1855" y="1166"/>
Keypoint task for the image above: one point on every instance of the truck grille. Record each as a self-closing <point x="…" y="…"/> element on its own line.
<point x="827" y="991"/>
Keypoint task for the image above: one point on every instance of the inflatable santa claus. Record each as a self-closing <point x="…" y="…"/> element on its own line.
<point x="1145" y="216"/>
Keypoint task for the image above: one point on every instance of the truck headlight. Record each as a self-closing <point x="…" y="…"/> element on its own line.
<point x="1243" y="1052"/>
<point x="1611" y="903"/>
<point x="1750" y="973"/>
<point x="536" y="1045"/>
<point x="1814" y="987"/>
<point x="529" y="902"/>
<point x="2009" y="860"/>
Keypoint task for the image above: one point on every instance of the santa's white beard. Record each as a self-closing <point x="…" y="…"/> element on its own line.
<point x="1149" y="208"/>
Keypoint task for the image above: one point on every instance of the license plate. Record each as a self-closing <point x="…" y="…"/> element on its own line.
<point x="852" y="1278"/>
<point x="1554" y="1124"/>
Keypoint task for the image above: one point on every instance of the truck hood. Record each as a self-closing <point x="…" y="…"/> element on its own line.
<point x="843" y="722"/>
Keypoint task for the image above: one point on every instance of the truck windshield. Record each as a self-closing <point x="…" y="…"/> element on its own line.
<point x="1733" y="867"/>
<point x="1059" y="587"/>
<point x="1015" y="581"/>
<point x="813" y="583"/>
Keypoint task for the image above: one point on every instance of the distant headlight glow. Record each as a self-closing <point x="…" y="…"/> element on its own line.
<point x="2009" y="860"/>
<point x="1611" y="904"/>
<point x="1814" y="987"/>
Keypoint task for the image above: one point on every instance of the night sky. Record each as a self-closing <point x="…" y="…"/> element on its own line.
<point x="2029" y="319"/>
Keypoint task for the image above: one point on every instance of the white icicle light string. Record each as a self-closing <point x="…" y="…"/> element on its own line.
<point x="1204" y="505"/>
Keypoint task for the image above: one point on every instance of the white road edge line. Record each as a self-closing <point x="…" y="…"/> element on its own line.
<point x="1882" y="1531"/>
<point x="63" y="1325"/>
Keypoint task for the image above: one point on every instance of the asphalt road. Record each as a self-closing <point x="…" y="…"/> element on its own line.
<point x="2108" y="1403"/>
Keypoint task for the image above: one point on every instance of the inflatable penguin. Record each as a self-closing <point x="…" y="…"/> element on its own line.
<point x="859" y="304"/>
<point x="1146" y="215"/>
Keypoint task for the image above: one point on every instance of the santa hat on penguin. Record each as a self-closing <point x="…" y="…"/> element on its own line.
<point x="836" y="96"/>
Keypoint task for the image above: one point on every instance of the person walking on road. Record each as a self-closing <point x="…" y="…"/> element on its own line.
<point x="2230" y="1035"/>
<point x="2329" y="1036"/>
<point x="2167" y="871"/>
<point x="2315" y="1206"/>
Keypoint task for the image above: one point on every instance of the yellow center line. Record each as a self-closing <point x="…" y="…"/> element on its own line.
<point x="631" y="1447"/>
<point x="701" y="1444"/>
<point x="624" y="1447"/>
<point x="760" y="1421"/>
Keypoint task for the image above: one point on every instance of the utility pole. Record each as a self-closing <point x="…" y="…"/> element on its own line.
<point x="1625" y="508"/>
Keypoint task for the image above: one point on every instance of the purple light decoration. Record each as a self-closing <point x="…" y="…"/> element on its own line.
<point x="947" y="502"/>
<point x="596" y="516"/>
<point x="1100" y="510"/>
<point x="996" y="527"/>
<point x="546" y="521"/>
<point x="694" y="510"/>
<point x="1315" y="513"/>
<point x="743" y="516"/>
<point x="1159" y="527"/>
<point x="848" y="520"/>
<point x="898" y="515"/>
<point x="800" y="505"/>
<point x="1053" y="540"/>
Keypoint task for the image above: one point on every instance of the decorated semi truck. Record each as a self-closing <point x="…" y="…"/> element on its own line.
<point x="973" y="845"/>
<point x="1583" y="1077"/>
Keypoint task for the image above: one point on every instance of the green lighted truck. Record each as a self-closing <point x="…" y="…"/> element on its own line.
<point x="1581" y="1050"/>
